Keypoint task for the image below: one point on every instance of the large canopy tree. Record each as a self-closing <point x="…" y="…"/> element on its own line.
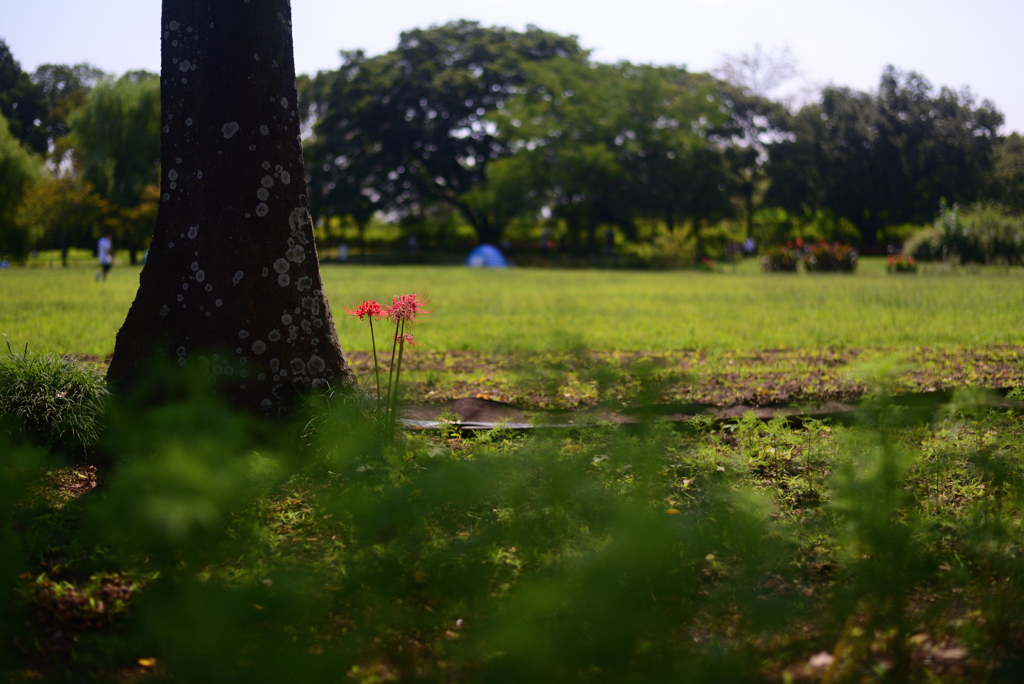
<point x="410" y="127"/>
<point x="232" y="282"/>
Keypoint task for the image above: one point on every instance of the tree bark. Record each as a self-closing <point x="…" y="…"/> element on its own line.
<point x="232" y="282"/>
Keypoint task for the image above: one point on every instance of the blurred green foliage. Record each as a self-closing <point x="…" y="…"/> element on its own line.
<point x="221" y="548"/>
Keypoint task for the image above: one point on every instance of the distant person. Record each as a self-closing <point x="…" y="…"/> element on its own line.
<point x="609" y="242"/>
<point x="105" y="252"/>
<point x="4" y="264"/>
<point x="343" y="252"/>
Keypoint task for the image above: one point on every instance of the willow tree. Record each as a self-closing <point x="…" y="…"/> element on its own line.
<point x="232" y="282"/>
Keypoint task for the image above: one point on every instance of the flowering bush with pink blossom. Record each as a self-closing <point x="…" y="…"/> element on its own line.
<point x="829" y="257"/>
<point x="900" y="264"/>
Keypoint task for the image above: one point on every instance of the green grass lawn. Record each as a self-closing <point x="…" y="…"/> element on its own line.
<point x="64" y="310"/>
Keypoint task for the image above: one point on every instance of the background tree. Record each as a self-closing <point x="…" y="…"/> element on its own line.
<point x="21" y="102"/>
<point x="669" y="145"/>
<point x="18" y="168"/>
<point x="61" y="211"/>
<point x="760" y="72"/>
<point x="563" y="126"/>
<point x="887" y="158"/>
<point x="115" y="136"/>
<point x="232" y="282"/>
<point x="611" y="144"/>
<point x="409" y="127"/>
<point x="63" y="88"/>
<point x="757" y="120"/>
<point x="1006" y="184"/>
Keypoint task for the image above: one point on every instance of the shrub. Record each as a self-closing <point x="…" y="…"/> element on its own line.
<point x="925" y="245"/>
<point x="824" y="257"/>
<point x="674" y="250"/>
<point x="901" y="233"/>
<point x="53" y="400"/>
<point x="984" y="234"/>
<point x="780" y="259"/>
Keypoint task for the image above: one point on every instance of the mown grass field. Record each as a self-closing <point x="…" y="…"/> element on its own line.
<point x="64" y="310"/>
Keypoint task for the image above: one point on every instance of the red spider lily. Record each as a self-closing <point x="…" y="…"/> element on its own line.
<point x="406" y="339"/>
<point x="367" y="308"/>
<point x="407" y="307"/>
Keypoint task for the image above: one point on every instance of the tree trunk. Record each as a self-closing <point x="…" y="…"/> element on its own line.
<point x="232" y="281"/>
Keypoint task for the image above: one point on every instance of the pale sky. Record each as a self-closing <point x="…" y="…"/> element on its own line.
<point x="846" y="42"/>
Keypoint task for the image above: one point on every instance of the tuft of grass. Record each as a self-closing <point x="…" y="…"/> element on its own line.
<point x="52" y="399"/>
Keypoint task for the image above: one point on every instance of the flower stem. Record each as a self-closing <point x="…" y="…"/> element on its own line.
<point x="391" y="373"/>
<point x="376" y="367"/>
<point x="398" y="373"/>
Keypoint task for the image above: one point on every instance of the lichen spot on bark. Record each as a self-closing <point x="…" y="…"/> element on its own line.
<point x="229" y="129"/>
<point x="315" y="365"/>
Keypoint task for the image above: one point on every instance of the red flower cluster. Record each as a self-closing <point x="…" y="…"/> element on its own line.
<point x="407" y="307"/>
<point x="368" y="308"/>
<point x="406" y="339"/>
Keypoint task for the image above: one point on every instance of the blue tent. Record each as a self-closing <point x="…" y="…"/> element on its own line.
<point x="487" y="256"/>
